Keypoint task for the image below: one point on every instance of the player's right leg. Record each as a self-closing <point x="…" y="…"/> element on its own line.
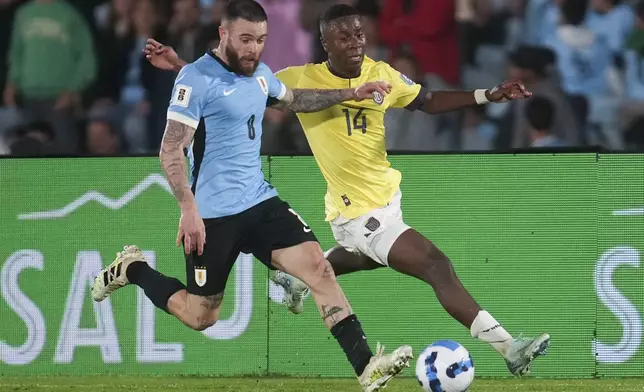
<point x="167" y="293"/>
<point x="198" y="304"/>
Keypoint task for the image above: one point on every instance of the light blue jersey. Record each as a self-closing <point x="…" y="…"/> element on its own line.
<point x="226" y="169"/>
<point x="634" y="75"/>
<point x="614" y="26"/>
<point x="541" y="20"/>
<point x="582" y="61"/>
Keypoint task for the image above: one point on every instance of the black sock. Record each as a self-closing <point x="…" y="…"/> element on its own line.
<point x="353" y="341"/>
<point x="157" y="287"/>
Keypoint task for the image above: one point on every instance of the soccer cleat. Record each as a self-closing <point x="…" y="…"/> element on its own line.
<point x="113" y="277"/>
<point x="523" y="351"/>
<point x="295" y="291"/>
<point x="382" y="368"/>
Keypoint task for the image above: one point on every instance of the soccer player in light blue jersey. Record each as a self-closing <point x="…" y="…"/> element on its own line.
<point x="227" y="207"/>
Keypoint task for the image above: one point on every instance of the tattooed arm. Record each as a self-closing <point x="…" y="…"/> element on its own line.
<point x="314" y="100"/>
<point x="176" y="138"/>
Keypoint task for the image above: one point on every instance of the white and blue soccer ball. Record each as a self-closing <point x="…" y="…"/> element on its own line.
<point x="445" y="366"/>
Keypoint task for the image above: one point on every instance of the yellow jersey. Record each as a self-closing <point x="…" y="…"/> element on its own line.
<point x="348" y="140"/>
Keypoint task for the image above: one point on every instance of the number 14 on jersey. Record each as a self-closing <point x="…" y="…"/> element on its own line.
<point x="355" y="122"/>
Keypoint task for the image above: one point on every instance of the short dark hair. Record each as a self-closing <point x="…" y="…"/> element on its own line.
<point x="540" y="113"/>
<point x="574" y="11"/>
<point x="249" y="10"/>
<point x="336" y="12"/>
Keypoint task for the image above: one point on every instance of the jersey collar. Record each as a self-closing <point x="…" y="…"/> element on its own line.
<point x="220" y="61"/>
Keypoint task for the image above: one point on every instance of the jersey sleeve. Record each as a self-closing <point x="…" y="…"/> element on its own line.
<point x="405" y="92"/>
<point x="276" y="89"/>
<point x="188" y="97"/>
<point x="288" y="77"/>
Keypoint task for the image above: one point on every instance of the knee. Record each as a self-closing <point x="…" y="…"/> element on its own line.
<point x="320" y="271"/>
<point x="437" y="268"/>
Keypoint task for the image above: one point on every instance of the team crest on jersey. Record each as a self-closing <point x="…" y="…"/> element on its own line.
<point x="378" y="98"/>
<point x="200" y="276"/>
<point x="406" y="79"/>
<point x="262" y="84"/>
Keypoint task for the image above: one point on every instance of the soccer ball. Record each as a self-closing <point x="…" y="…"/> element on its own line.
<point x="445" y="366"/>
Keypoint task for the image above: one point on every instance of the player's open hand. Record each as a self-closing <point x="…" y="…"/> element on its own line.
<point x="368" y="90"/>
<point x="192" y="231"/>
<point x="508" y="91"/>
<point x="161" y="56"/>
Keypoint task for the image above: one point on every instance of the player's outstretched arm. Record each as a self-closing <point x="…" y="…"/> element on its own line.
<point x="314" y="100"/>
<point x="446" y="101"/>
<point x="176" y="138"/>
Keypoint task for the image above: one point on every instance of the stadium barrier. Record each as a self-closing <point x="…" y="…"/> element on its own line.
<point x="544" y="242"/>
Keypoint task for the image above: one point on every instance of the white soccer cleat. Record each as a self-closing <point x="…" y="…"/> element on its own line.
<point x="523" y="351"/>
<point x="113" y="277"/>
<point x="382" y="368"/>
<point x="295" y="291"/>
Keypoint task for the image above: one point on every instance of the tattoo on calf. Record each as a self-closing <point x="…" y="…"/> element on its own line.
<point x="331" y="313"/>
<point x="212" y="302"/>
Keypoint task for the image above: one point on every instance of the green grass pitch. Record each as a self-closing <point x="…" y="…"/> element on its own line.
<point x="269" y="384"/>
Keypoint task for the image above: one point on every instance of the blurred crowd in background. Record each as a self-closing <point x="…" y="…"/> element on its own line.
<point x="74" y="80"/>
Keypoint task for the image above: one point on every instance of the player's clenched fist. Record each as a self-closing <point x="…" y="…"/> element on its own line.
<point x="367" y="90"/>
<point x="508" y="91"/>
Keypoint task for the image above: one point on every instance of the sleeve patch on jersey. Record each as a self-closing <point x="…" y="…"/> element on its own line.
<point x="262" y="83"/>
<point x="406" y="79"/>
<point x="182" y="95"/>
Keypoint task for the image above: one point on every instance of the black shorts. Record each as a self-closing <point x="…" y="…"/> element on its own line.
<point x="260" y="230"/>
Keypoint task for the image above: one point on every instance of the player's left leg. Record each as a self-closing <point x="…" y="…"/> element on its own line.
<point x="342" y="261"/>
<point x="414" y="255"/>
<point x="281" y="239"/>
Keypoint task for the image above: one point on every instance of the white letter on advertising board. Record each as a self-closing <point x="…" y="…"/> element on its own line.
<point x="24" y="307"/>
<point x="619" y="305"/>
<point x="236" y="325"/>
<point x="88" y="264"/>
<point x="147" y="349"/>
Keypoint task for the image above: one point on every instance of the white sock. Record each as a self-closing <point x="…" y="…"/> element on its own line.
<point x="487" y="329"/>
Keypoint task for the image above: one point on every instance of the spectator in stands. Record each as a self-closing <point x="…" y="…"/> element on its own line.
<point x="35" y="139"/>
<point x="587" y="70"/>
<point x="540" y="113"/>
<point x="478" y="133"/>
<point x="411" y="131"/>
<point x="581" y="55"/>
<point x="102" y="138"/>
<point x="184" y="32"/>
<point x="534" y="66"/>
<point x="611" y="21"/>
<point x="52" y="62"/>
<point x="428" y="30"/>
<point x="633" y="105"/>
<point x="541" y="20"/>
<point x="114" y="18"/>
<point x="129" y="81"/>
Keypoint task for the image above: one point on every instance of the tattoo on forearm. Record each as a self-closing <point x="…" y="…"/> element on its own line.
<point x="313" y="100"/>
<point x="176" y="137"/>
<point x="331" y="313"/>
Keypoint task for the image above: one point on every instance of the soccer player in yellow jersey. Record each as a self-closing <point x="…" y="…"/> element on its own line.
<point x="363" y="197"/>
